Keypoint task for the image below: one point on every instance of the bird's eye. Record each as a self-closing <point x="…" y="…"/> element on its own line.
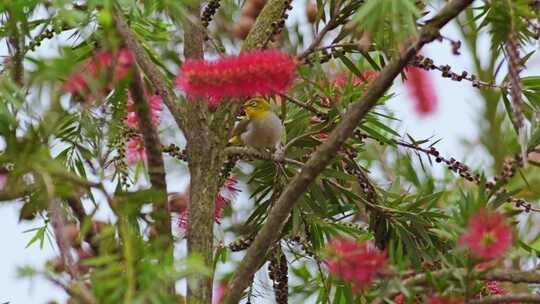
<point x="253" y="104"/>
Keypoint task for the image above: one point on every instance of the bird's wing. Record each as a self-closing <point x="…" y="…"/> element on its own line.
<point x="237" y="131"/>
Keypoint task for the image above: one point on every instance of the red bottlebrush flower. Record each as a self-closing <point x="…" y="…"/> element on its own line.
<point x="353" y="262"/>
<point x="488" y="235"/>
<point x="97" y="67"/>
<point x="226" y="194"/>
<point x="421" y="90"/>
<point x="255" y="73"/>
<point x="323" y="136"/>
<point x="438" y="300"/>
<point x="483" y="266"/>
<point x="400" y="299"/>
<point x="135" y="150"/>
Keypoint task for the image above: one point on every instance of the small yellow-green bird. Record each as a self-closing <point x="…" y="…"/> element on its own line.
<point x="260" y="129"/>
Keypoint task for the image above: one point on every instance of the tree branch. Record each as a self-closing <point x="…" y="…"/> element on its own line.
<point x="261" y="31"/>
<point x="156" y="77"/>
<point x="326" y="152"/>
<point x="16" y="46"/>
<point x="332" y="24"/>
<point x="513" y="276"/>
<point x="518" y="297"/>
<point x="58" y="222"/>
<point x="253" y="153"/>
<point x="156" y="168"/>
<point x="506" y="275"/>
<point x="9" y="195"/>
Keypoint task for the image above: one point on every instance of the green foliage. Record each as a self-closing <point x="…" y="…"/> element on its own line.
<point x="40" y="234"/>
<point x="390" y="22"/>
<point x="501" y="17"/>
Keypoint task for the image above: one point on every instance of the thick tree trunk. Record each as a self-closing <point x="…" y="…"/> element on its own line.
<point x="204" y="165"/>
<point x="207" y="139"/>
<point x="204" y="170"/>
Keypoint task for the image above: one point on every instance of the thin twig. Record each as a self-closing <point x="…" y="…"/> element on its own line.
<point x="428" y="64"/>
<point x="464" y="171"/>
<point x="332" y="24"/>
<point x="323" y="280"/>
<point x="75" y="289"/>
<point x="514" y="298"/>
<point x="308" y="107"/>
<point x="301" y="136"/>
<point x="58" y="222"/>
<point x="252" y="153"/>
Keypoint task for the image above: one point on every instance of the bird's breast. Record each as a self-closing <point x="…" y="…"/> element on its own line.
<point x="263" y="133"/>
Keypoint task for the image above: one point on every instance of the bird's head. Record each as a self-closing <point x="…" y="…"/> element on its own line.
<point x="257" y="108"/>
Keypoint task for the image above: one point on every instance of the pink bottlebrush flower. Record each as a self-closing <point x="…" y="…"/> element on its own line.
<point x="421" y="90"/>
<point x="354" y="262"/>
<point x="368" y="75"/>
<point x="439" y="300"/>
<point x="225" y="195"/>
<point x="156" y="106"/>
<point x="132" y="120"/>
<point x="259" y="72"/>
<point x="323" y="136"/>
<point x="488" y="235"/>
<point x="123" y="64"/>
<point x="494" y="288"/>
<point x="96" y="67"/>
<point x="326" y="102"/>
<point x="220" y="292"/>
<point x="135" y="149"/>
<point x="341" y="81"/>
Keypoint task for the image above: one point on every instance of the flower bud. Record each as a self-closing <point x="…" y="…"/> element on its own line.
<point x="311" y="12"/>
